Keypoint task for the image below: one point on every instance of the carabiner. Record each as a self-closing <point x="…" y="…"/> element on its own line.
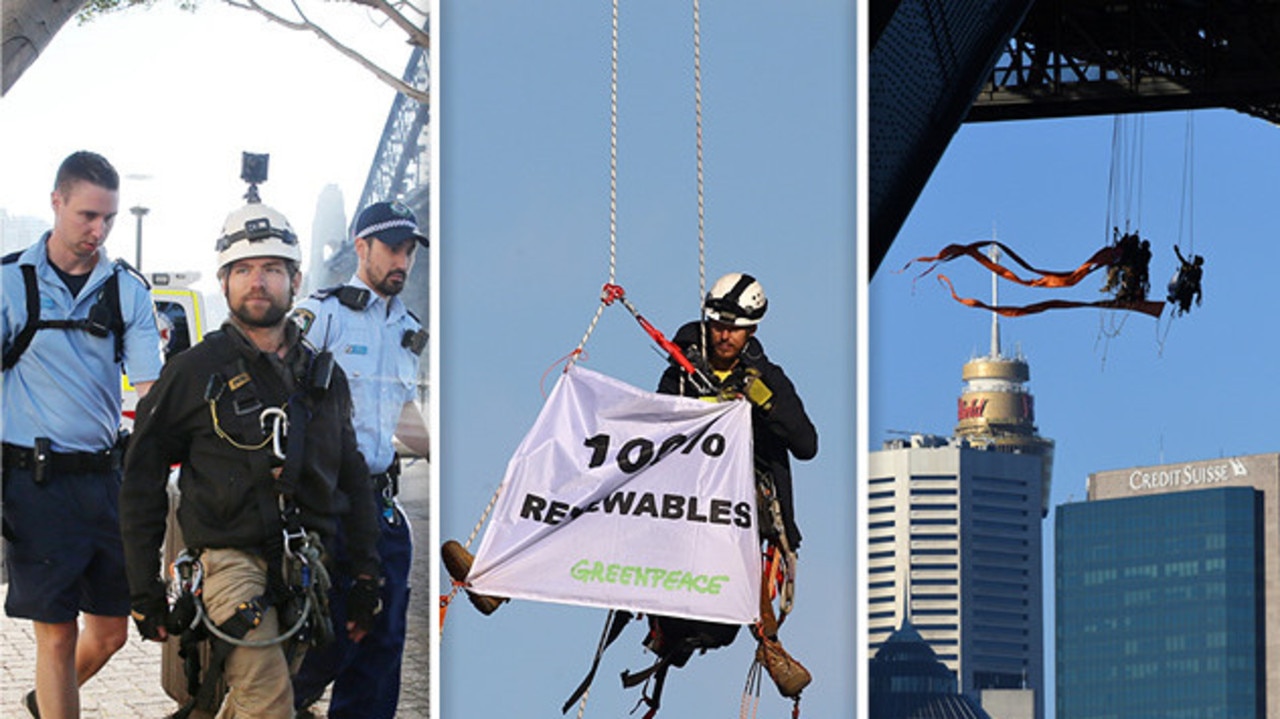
<point x="279" y="428"/>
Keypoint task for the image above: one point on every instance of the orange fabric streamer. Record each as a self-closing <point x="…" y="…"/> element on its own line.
<point x="1147" y="307"/>
<point x="1048" y="278"/>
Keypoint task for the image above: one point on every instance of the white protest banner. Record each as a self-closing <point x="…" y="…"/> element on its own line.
<point x="627" y="499"/>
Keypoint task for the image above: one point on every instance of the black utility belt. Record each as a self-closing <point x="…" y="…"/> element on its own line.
<point x="387" y="483"/>
<point x="15" y="457"/>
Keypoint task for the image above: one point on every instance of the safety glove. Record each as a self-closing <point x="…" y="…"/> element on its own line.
<point x="364" y="601"/>
<point x="182" y="615"/>
<point x="755" y="390"/>
<point x="151" y="615"/>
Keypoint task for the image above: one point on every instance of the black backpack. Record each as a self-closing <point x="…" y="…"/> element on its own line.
<point x="104" y="317"/>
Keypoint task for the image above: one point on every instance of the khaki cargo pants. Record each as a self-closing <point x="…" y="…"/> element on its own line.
<point x="258" y="677"/>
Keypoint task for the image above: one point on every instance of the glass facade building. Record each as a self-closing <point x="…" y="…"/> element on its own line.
<point x="1160" y="608"/>
<point x="954" y="540"/>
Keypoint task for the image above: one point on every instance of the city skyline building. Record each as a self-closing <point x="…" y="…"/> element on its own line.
<point x="906" y="679"/>
<point x="954" y="533"/>
<point x="1163" y="581"/>
<point x="17" y="232"/>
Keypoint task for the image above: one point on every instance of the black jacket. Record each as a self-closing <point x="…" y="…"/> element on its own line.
<point x="227" y="493"/>
<point x="783" y="430"/>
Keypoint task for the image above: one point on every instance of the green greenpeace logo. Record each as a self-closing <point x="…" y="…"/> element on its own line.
<point x="671" y="580"/>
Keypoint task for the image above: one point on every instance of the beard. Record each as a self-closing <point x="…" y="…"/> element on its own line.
<point x="391" y="284"/>
<point x="271" y="316"/>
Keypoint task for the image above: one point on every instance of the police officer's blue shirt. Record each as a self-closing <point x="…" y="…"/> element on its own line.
<point x="66" y="386"/>
<point x="381" y="371"/>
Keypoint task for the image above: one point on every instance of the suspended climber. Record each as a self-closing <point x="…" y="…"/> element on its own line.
<point x="690" y="609"/>
<point x="1129" y="278"/>
<point x="1185" y="286"/>
<point x="737" y="364"/>
<point x="733" y="367"/>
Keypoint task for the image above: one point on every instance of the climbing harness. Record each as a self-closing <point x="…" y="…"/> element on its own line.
<point x="780" y="559"/>
<point x="304" y="574"/>
<point x="297" y="581"/>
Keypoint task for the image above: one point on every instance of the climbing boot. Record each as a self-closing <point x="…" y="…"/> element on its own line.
<point x="458" y="561"/>
<point x="787" y="673"/>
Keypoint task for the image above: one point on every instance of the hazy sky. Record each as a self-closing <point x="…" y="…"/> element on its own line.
<point x="172" y="98"/>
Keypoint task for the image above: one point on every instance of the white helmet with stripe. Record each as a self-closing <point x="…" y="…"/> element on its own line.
<point x="257" y="230"/>
<point x="736" y="299"/>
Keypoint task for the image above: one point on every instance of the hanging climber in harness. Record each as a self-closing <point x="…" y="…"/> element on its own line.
<point x="261" y="425"/>
<point x="1185" y="286"/>
<point x="725" y="346"/>
<point x="1129" y="276"/>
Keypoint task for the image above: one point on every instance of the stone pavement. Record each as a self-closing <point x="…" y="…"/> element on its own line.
<point x="129" y="686"/>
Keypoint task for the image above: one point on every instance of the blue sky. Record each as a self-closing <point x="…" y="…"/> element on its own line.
<point x="525" y="250"/>
<point x="1114" y="390"/>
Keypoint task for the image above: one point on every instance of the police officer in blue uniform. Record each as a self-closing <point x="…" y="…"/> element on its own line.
<point x="378" y="343"/>
<point x="69" y="319"/>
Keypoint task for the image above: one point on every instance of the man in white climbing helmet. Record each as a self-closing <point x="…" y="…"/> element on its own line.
<point x="260" y="422"/>
<point x="725" y="346"/>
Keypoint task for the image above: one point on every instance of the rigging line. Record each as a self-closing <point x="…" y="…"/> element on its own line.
<point x="1134" y="174"/>
<point x="1139" y="153"/>
<point x="697" y="104"/>
<point x="1188" y="206"/>
<point x="698" y="124"/>
<point x="613" y="182"/>
<point x="1129" y="142"/>
<point x="1113" y="181"/>
<point x="1161" y="338"/>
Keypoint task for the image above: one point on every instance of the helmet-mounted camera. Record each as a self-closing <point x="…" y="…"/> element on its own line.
<point x="253" y="170"/>
<point x="256" y="230"/>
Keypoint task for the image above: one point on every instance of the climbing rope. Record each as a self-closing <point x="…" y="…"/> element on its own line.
<point x="446" y="599"/>
<point x="1126" y="175"/>
<point x="606" y="297"/>
<point x="613" y="182"/>
<point x="697" y="114"/>
<point x="1188" y="206"/>
<point x="750" y="705"/>
<point x="1186" y="219"/>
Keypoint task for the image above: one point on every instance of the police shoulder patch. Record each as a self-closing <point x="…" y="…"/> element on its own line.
<point x="304" y="318"/>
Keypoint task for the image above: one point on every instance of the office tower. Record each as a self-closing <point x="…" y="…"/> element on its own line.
<point x="907" y="680"/>
<point x="1163" y="578"/>
<point x="954" y="534"/>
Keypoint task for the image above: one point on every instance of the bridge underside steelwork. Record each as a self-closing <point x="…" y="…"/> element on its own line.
<point x="937" y="63"/>
<point x="1088" y="57"/>
<point x="401" y="170"/>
